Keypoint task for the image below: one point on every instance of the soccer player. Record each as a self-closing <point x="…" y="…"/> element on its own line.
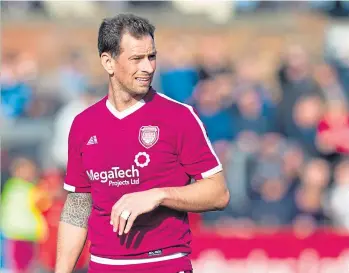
<point x="131" y="159"/>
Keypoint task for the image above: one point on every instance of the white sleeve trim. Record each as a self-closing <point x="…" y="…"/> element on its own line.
<point x="208" y="142"/>
<point x="69" y="187"/>
<point x="212" y="171"/>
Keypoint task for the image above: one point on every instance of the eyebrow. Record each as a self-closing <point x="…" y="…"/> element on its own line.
<point x="142" y="55"/>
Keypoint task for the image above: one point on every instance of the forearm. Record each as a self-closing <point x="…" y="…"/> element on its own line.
<point x="205" y="195"/>
<point x="72" y="231"/>
<point x="71" y="240"/>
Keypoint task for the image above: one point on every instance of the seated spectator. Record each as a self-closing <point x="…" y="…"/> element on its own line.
<point x="293" y="159"/>
<point x="251" y="113"/>
<point x="301" y="124"/>
<point x="270" y="190"/>
<point x="274" y="205"/>
<point x="309" y="195"/>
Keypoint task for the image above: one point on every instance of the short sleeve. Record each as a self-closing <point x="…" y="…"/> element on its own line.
<point x="76" y="178"/>
<point x="195" y="150"/>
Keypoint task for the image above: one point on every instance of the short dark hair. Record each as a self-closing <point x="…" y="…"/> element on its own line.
<point x="111" y="31"/>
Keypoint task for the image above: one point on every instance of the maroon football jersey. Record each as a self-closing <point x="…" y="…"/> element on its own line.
<point x="156" y="143"/>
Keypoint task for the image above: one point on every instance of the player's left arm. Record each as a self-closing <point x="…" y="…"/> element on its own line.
<point x="196" y="155"/>
<point x="207" y="194"/>
<point x="199" y="160"/>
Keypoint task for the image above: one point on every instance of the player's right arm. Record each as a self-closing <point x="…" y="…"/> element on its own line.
<point x="72" y="231"/>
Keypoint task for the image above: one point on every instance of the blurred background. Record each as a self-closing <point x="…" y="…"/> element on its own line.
<point x="270" y="81"/>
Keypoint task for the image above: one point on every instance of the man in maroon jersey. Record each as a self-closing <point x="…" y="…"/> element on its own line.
<point x="131" y="158"/>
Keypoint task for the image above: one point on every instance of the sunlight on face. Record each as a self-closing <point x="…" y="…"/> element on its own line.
<point x="136" y="64"/>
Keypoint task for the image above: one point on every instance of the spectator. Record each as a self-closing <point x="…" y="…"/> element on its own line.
<point x="274" y="206"/>
<point x="21" y="220"/>
<point x="178" y="76"/>
<point x="72" y="76"/>
<point x="327" y="80"/>
<point x="337" y="53"/>
<point x="63" y="121"/>
<point x="296" y="81"/>
<point x="248" y="75"/>
<point x="301" y="124"/>
<point x="310" y="194"/>
<point x="270" y="190"/>
<point x="212" y="110"/>
<point x="293" y="159"/>
<point x="16" y="94"/>
<point x="339" y="196"/>
<point x="212" y="63"/>
<point x="295" y="73"/>
<point x="252" y="113"/>
<point x="236" y="158"/>
<point x="50" y="182"/>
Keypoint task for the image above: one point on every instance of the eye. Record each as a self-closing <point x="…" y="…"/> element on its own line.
<point x="152" y="57"/>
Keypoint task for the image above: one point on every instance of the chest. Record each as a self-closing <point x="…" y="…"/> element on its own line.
<point x="129" y="154"/>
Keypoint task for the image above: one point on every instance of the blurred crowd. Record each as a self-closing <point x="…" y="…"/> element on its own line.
<point x="216" y="11"/>
<point x="284" y="143"/>
<point x="285" y="155"/>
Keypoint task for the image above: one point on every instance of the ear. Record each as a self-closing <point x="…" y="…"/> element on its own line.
<point x="108" y="63"/>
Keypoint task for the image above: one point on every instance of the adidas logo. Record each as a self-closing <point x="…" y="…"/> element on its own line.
<point x="92" y="140"/>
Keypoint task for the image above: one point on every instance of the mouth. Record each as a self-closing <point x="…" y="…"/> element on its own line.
<point x="143" y="80"/>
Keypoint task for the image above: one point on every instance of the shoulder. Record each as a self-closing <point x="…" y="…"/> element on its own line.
<point x="86" y="121"/>
<point x="180" y="111"/>
<point x="91" y="114"/>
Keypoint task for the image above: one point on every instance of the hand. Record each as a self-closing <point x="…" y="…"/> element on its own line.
<point x="135" y="204"/>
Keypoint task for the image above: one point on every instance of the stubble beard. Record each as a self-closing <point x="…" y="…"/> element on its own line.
<point x="134" y="92"/>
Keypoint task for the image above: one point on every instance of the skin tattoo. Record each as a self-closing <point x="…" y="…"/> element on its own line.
<point x="77" y="209"/>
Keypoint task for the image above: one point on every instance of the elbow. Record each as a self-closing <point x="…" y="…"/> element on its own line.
<point x="223" y="201"/>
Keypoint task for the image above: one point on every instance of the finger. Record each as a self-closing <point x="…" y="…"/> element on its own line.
<point x="112" y="215"/>
<point x="115" y="218"/>
<point x="130" y="222"/>
<point x="116" y="211"/>
<point x="122" y="224"/>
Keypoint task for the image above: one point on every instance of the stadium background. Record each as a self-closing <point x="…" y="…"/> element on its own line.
<point x="270" y="81"/>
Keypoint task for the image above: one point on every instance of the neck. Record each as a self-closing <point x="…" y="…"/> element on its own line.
<point x="120" y="98"/>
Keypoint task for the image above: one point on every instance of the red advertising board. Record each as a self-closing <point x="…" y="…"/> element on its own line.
<point x="324" y="251"/>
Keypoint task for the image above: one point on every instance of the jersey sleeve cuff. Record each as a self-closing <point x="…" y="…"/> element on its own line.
<point x="76" y="189"/>
<point x="209" y="173"/>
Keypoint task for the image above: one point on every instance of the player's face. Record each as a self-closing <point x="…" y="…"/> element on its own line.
<point x="135" y="66"/>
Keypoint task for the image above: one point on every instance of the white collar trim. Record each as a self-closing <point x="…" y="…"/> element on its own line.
<point x="126" y="112"/>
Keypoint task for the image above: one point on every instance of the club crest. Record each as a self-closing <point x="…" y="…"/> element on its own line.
<point x="148" y="136"/>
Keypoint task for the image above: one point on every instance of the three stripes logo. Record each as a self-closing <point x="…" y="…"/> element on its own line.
<point x="92" y="140"/>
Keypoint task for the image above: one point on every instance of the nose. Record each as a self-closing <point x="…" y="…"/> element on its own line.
<point x="148" y="66"/>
